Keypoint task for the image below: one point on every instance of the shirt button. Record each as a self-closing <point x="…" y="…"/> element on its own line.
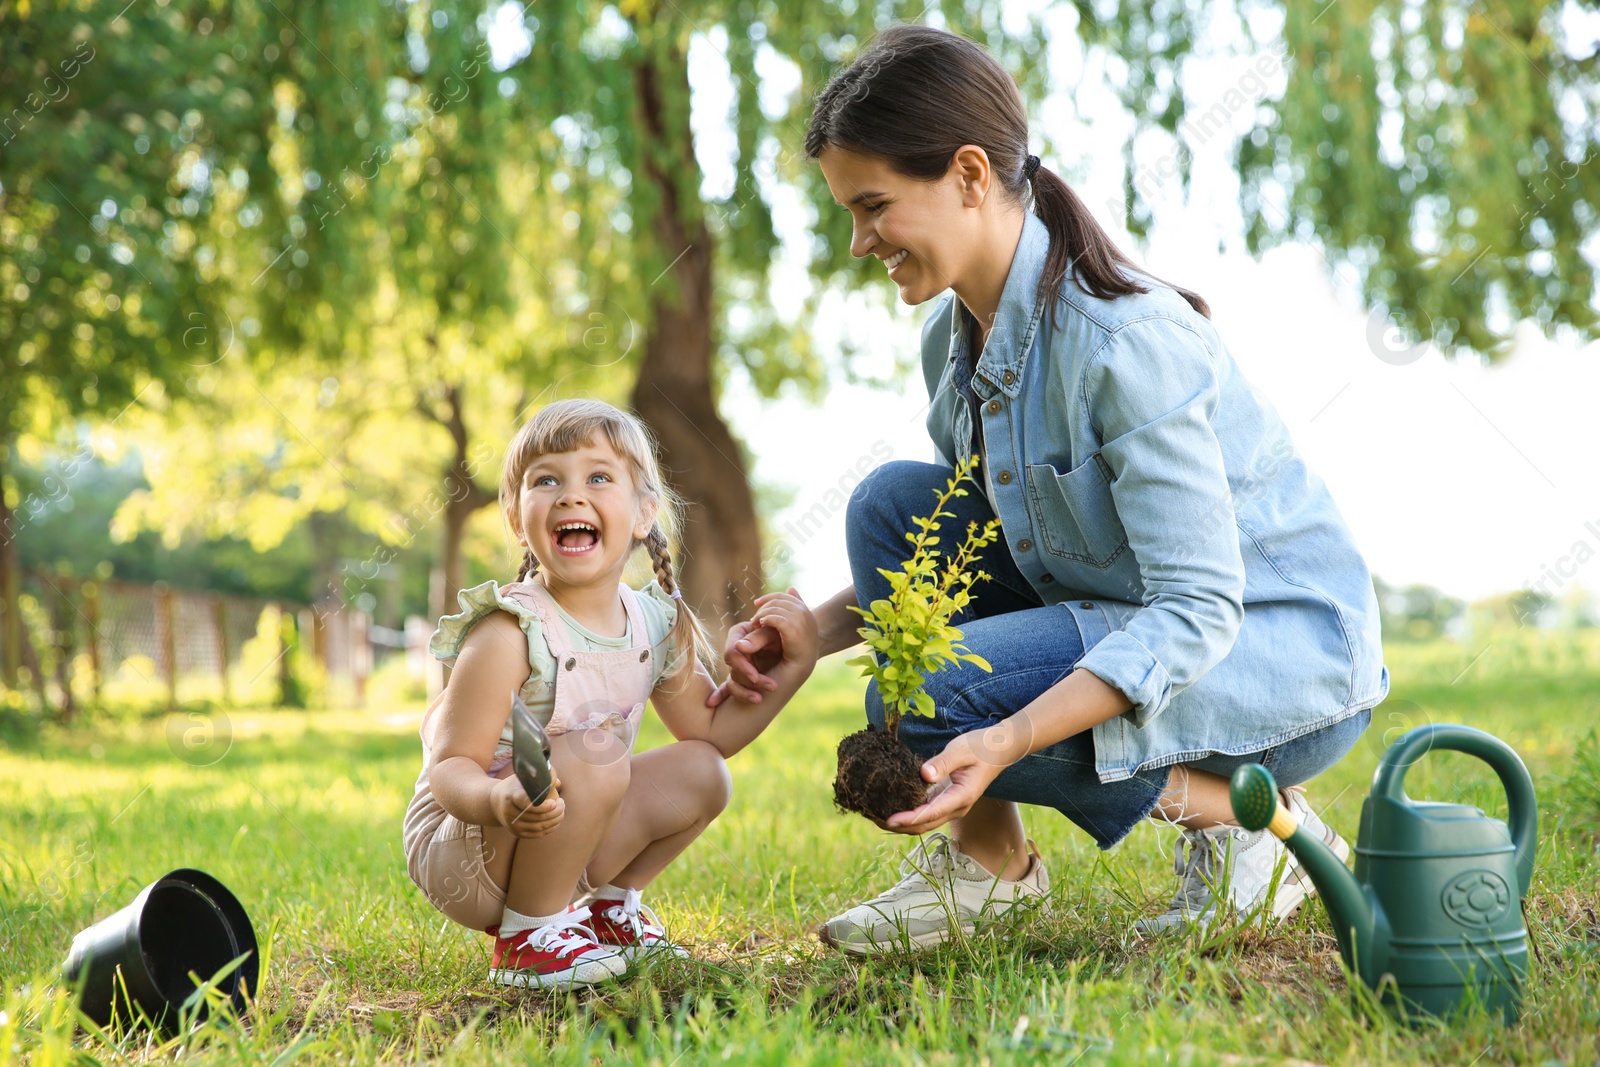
<point x="994" y="407"/>
<point x="1024" y="545"/>
<point x="571" y="662"/>
<point x="1008" y="377"/>
<point x="1048" y="578"/>
<point x="644" y="655"/>
<point x="1087" y="604"/>
<point x="1004" y="477"/>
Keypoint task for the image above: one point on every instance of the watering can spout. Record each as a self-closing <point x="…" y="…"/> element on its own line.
<point x="1257" y="806"/>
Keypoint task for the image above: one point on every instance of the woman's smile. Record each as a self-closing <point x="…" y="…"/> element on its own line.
<point x="895" y="260"/>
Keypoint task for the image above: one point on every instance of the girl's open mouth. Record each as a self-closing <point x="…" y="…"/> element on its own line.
<point x="575" y="538"/>
<point x="895" y="260"/>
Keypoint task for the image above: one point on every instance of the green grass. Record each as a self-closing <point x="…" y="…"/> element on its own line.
<point x="301" y="818"/>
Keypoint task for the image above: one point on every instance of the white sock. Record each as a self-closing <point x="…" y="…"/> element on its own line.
<point x="610" y="892"/>
<point x="513" y="923"/>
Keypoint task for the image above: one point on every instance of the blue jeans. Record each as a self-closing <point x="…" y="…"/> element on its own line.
<point x="1031" y="647"/>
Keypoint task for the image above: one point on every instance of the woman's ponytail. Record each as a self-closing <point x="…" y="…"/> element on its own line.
<point x="1079" y="242"/>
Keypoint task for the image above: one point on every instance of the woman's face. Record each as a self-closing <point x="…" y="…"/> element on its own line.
<point x="917" y="229"/>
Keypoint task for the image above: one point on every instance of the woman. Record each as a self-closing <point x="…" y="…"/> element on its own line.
<point x="1177" y="593"/>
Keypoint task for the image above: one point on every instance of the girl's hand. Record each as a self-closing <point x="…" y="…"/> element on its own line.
<point x="960" y="775"/>
<point x="511" y="807"/>
<point x="753" y="651"/>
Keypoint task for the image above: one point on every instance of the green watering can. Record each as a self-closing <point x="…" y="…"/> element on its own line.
<point x="1432" y="917"/>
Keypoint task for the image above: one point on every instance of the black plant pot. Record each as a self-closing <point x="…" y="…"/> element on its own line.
<point x="183" y="921"/>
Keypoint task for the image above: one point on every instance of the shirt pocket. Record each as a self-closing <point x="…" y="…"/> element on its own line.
<point x="1077" y="516"/>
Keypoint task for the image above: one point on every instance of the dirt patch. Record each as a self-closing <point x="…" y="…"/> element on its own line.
<point x="878" y="775"/>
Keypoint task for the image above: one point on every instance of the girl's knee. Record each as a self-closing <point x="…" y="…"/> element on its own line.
<point x="594" y="761"/>
<point x="705" y="766"/>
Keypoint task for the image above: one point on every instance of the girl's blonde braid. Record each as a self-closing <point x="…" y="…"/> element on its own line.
<point x="655" y="543"/>
<point x="688" y="636"/>
<point x="530" y="565"/>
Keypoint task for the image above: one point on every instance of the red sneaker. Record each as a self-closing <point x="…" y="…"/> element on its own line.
<point x="631" y="929"/>
<point x="563" y="953"/>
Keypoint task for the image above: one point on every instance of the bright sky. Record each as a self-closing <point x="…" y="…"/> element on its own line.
<point x="1472" y="479"/>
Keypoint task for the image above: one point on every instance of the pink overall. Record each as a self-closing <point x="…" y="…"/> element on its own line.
<point x="594" y="690"/>
<point x="604" y="690"/>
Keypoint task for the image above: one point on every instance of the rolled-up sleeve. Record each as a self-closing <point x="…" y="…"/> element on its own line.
<point x="1151" y="393"/>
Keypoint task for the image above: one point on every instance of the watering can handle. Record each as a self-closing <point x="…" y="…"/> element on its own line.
<point x="1522" y="809"/>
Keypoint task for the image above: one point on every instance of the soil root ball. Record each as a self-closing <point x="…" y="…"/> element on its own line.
<point x="878" y="775"/>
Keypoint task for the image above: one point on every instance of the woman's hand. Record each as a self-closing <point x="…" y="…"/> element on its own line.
<point x="753" y="651"/>
<point x="960" y="775"/>
<point x="786" y="615"/>
<point x="510" y="804"/>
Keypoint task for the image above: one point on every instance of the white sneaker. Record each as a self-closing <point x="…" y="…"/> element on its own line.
<point x="1229" y="872"/>
<point x="941" y="890"/>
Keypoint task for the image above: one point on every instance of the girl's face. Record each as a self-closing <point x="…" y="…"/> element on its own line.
<point x="581" y="514"/>
<point x="919" y="230"/>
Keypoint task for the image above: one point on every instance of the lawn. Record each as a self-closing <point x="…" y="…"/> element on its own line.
<point x="301" y="818"/>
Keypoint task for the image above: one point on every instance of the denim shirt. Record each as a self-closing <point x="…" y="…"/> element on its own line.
<point x="1142" y="483"/>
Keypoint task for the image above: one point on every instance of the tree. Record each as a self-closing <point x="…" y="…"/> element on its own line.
<point x="106" y="206"/>
<point x="628" y="297"/>
<point x="391" y="412"/>
<point x="1415" y="612"/>
<point x="291" y="165"/>
<point x="618" y="78"/>
<point x="1443" y="153"/>
<point x="1355" y="150"/>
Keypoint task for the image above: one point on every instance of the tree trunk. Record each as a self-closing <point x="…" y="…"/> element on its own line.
<point x="16" y="647"/>
<point x="10" y="587"/>
<point x="463" y="496"/>
<point x="720" y="541"/>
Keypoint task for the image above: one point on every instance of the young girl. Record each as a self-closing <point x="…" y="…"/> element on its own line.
<point x="582" y="491"/>
<point x="1175" y="592"/>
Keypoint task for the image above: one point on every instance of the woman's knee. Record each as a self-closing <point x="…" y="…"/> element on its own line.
<point x="880" y="498"/>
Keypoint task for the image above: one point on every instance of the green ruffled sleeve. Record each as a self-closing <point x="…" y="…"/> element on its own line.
<point x="475" y="603"/>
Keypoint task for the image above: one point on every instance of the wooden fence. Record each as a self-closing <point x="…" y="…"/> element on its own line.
<point x="78" y="639"/>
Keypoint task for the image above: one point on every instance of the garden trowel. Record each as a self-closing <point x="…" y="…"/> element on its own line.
<point x="530" y="752"/>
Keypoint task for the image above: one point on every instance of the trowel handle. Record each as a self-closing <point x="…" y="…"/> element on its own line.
<point x="530" y="752"/>
<point x="1522" y="807"/>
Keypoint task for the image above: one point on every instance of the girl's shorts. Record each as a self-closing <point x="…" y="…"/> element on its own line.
<point x="449" y="860"/>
